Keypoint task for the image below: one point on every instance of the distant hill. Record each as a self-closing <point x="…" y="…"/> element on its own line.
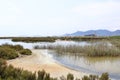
<point x="95" y="32"/>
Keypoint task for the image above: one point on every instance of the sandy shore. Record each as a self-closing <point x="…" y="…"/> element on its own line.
<point x="39" y="61"/>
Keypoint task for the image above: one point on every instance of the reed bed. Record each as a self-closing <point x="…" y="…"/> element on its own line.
<point x="98" y="49"/>
<point x="115" y="42"/>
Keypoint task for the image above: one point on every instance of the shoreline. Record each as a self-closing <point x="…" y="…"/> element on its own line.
<point x="40" y="61"/>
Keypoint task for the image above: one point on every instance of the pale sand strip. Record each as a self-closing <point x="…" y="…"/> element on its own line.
<point x="38" y="61"/>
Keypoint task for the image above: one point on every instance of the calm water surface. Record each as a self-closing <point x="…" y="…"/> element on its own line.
<point x="95" y="65"/>
<point x="86" y="64"/>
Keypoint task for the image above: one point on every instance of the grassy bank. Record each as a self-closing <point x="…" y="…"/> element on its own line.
<point x="93" y="50"/>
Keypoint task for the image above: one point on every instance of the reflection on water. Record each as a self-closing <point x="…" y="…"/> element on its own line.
<point x="87" y="64"/>
<point x="91" y="64"/>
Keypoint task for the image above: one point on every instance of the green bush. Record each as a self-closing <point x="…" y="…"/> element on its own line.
<point x="18" y="47"/>
<point x="25" y="52"/>
<point x="70" y="77"/>
<point x="104" y="76"/>
<point x="41" y="75"/>
<point x="15" y="47"/>
<point x="85" y="78"/>
<point x="8" y="53"/>
<point x="47" y="77"/>
<point x="2" y="62"/>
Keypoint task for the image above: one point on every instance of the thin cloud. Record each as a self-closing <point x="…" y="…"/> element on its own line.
<point x="96" y="9"/>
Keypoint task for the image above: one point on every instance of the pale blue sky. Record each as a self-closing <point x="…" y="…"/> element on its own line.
<point x="57" y="17"/>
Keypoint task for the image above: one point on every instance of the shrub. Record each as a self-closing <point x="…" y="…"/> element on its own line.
<point x="2" y="62"/>
<point x="41" y="75"/>
<point x="104" y="76"/>
<point x="7" y="53"/>
<point x="18" y="47"/>
<point x="15" y="47"/>
<point x="70" y="77"/>
<point x="47" y="77"/>
<point x="85" y="78"/>
<point x="25" y="52"/>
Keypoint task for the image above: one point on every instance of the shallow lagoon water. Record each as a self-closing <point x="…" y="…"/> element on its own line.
<point x="95" y="65"/>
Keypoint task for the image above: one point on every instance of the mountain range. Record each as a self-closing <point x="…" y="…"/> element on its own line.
<point x="95" y="32"/>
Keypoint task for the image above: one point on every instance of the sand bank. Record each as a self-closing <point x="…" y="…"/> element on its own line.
<point x="39" y="61"/>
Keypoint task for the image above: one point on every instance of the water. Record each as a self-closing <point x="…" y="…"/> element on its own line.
<point x="95" y="65"/>
<point x="25" y="45"/>
<point x="31" y="45"/>
<point x="92" y="65"/>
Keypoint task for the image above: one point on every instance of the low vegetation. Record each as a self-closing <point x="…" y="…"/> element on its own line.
<point x="82" y="38"/>
<point x="98" y="49"/>
<point x="8" y="72"/>
<point x="25" y="52"/>
<point x="8" y="51"/>
<point x="34" y="39"/>
<point x="102" y="49"/>
<point x="15" y="47"/>
<point x="104" y="76"/>
<point x="114" y="37"/>
<point x="53" y="39"/>
<point x="11" y="73"/>
<point x="115" y="40"/>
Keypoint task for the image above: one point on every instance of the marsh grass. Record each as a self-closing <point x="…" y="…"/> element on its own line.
<point x="115" y="42"/>
<point x="98" y="49"/>
<point x="101" y="49"/>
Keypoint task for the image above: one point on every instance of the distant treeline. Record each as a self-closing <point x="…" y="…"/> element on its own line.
<point x="114" y="37"/>
<point x="34" y="39"/>
<point x="52" y="39"/>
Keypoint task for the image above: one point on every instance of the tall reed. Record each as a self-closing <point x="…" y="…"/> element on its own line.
<point x="98" y="49"/>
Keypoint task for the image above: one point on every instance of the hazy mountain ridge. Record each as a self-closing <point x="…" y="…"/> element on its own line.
<point x="96" y="32"/>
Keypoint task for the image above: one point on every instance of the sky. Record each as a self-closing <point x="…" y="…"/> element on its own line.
<point x="57" y="17"/>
